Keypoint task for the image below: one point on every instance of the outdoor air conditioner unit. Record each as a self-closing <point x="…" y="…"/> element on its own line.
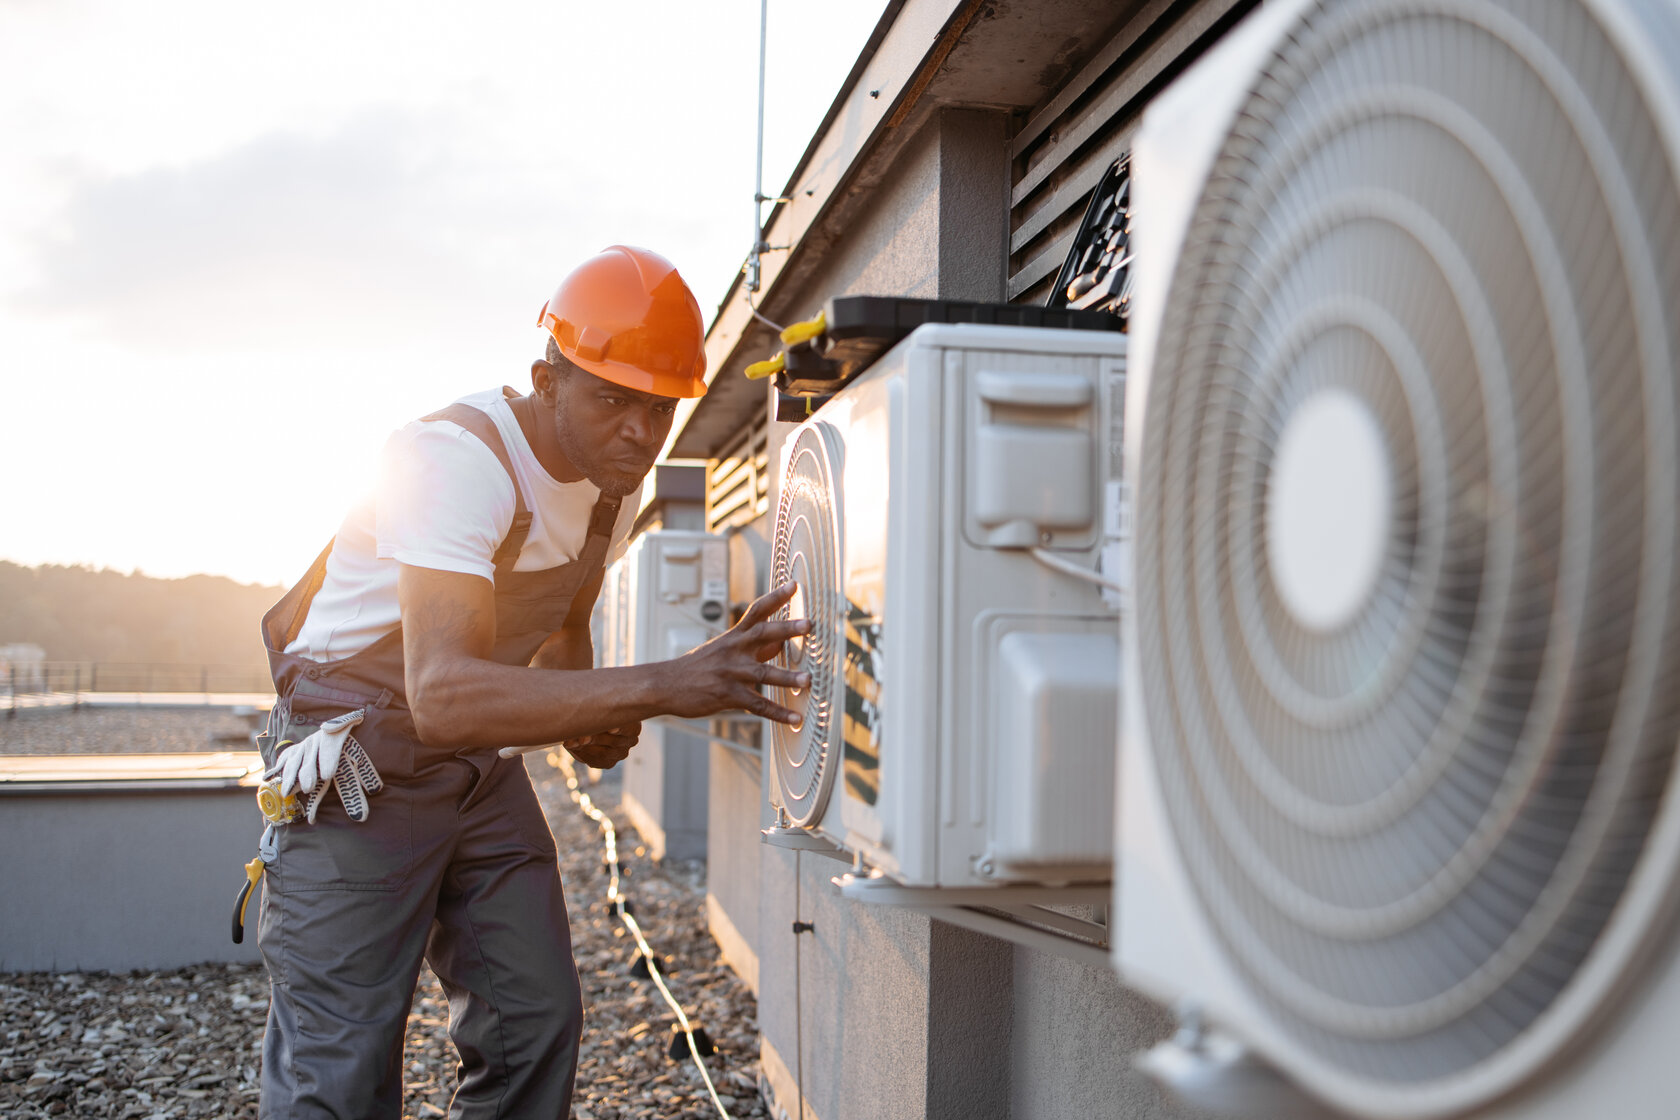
<point x="667" y="594"/>
<point x="961" y="718"/>
<point x="1397" y="808"/>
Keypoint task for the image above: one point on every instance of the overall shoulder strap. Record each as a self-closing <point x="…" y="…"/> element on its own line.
<point x="479" y="424"/>
<point x="284" y="620"/>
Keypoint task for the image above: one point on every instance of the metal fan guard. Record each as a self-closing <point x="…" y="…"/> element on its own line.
<point x="807" y="548"/>
<point x="1411" y="832"/>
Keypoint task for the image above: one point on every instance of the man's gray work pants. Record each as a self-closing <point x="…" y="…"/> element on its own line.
<point x="455" y="864"/>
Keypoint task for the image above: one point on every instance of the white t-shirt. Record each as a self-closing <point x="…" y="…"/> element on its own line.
<point x="444" y="501"/>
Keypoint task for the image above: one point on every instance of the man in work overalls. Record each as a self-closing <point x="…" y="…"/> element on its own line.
<point x="448" y="618"/>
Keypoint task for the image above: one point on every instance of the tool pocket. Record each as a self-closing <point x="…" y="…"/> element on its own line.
<point x="381" y="733"/>
<point x="336" y="853"/>
<point x="339" y="854"/>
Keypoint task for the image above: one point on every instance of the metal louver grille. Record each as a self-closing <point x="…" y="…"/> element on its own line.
<point x="737" y="481"/>
<point x="1411" y="825"/>
<point x="1062" y="153"/>
<point x="807" y="550"/>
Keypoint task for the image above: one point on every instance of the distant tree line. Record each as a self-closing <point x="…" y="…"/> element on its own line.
<point x="83" y="614"/>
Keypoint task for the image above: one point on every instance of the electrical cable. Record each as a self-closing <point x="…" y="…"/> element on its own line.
<point x="564" y="765"/>
<point x="777" y="327"/>
<point x="1067" y="567"/>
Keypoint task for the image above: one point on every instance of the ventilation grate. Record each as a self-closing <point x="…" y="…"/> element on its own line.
<point x="807" y="551"/>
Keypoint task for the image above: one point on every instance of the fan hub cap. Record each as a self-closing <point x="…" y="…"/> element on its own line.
<point x="1328" y="509"/>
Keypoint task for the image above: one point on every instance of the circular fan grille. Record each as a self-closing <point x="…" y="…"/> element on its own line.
<point x="1412" y="820"/>
<point x="807" y="551"/>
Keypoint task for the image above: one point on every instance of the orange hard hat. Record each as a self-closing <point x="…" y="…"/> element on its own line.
<point x="627" y="317"/>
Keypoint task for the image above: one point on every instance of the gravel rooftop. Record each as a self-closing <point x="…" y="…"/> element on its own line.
<point x="187" y="1044"/>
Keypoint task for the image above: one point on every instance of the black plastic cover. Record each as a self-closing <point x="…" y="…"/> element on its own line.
<point x="862" y="328"/>
<point x="1097" y="274"/>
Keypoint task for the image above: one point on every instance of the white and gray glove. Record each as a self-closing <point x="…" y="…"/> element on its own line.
<point x="329" y="756"/>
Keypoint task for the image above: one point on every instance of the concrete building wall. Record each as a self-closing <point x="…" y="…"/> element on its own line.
<point x="893" y="246"/>
<point x="1075" y="1032"/>
<point x="843" y="1009"/>
<point x="736" y="811"/>
<point x="665" y="781"/>
<point x="124" y="881"/>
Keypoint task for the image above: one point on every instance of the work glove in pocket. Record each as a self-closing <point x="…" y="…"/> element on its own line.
<point x="329" y="755"/>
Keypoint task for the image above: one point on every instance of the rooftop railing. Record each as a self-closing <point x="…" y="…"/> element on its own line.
<point x="25" y="684"/>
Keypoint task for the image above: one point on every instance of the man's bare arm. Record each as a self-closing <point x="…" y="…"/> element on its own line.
<point x="462" y="699"/>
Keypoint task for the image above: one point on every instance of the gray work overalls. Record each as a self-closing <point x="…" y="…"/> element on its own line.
<point x="455" y="864"/>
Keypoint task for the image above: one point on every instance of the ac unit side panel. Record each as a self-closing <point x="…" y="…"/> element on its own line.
<point x="873" y="492"/>
<point x="1052" y="686"/>
<point x="937" y="834"/>
<point x="1162" y="945"/>
<point x="894" y="830"/>
<point x="961" y="758"/>
<point x="1010" y="401"/>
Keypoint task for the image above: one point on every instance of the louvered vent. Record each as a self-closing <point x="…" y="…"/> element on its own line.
<point x="738" y="481"/>
<point x="1061" y="154"/>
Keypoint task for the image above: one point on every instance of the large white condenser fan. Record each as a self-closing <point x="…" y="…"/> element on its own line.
<point x="1397" y="782"/>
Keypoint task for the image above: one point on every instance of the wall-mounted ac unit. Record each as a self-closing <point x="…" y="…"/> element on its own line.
<point x="1398" y="806"/>
<point x="667" y="594"/>
<point x="960" y="722"/>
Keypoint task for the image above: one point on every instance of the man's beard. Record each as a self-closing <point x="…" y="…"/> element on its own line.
<point x="611" y="481"/>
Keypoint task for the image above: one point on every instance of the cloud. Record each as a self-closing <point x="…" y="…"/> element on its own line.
<point x="289" y="241"/>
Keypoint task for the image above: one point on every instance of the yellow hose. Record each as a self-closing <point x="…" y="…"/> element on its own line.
<point x="803" y="332"/>
<point x="760" y="370"/>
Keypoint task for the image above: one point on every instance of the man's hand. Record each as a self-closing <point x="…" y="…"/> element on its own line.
<point x="727" y="672"/>
<point x="605" y="749"/>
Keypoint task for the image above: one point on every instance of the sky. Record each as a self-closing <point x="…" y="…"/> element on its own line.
<point x="242" y="243"/>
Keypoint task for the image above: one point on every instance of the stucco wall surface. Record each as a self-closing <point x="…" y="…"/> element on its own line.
<point x="124" y="881"/>
<point x="1076" y="1030"/>
<point x="665" y="782"/>
<point x="736" y="811"/>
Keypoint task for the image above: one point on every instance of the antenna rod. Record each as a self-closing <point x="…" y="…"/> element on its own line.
<point x="758" y="177"/>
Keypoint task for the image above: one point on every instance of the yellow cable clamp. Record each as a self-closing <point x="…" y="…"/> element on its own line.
<point x="804" y="332"/>
<point x="760" y="370"/>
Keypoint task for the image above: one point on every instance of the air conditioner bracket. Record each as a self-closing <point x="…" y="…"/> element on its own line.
<point x="1016" y="914"/>
<point x="804" y="840"/>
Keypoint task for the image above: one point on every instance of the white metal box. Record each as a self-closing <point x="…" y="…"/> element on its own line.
<point x="666" y="595"/>
<point x="960" y="727"/>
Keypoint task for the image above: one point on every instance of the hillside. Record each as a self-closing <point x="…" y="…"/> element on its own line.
<point x="80" y="614"/>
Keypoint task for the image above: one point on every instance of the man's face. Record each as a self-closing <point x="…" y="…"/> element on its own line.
<point x="610" y="433"/>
